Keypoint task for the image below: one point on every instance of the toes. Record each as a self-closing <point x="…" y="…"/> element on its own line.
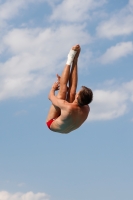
<point x="76" y="47"/>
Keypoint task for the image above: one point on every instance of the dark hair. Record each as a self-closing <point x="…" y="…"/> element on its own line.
<point x="85" y="96"/>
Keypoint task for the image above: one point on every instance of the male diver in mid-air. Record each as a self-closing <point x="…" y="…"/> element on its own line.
<point x="69" y="109"/>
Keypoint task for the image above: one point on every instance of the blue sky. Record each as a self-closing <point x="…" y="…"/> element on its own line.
<point x="94" y="162"/>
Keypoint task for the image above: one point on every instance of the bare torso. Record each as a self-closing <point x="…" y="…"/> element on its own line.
<point x="70" y="119"/>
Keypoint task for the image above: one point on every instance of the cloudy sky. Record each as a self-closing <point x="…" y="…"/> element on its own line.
<point x="94" y="162"/>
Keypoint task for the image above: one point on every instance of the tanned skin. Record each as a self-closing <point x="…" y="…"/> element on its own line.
<point x="65" y="110"/>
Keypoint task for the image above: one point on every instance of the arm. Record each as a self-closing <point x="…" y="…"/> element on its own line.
<point x="56" y="101"/>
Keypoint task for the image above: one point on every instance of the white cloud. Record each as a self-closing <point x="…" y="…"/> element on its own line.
<point x="118" y="24"/>
<point x="113" y="102"/>
<point x="129" y="88"/>
<point x="10" y="8"/>
<point x="75" y="11"/>
<point x="115" y="52"/>
<point x="36" y="54"/>
<point x="108" y="105"/>
<point x="26" y="40"/>
<point x="4" y="195"/>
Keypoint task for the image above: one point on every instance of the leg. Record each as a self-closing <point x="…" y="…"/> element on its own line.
<point x="54" y="111"/>
<point x="73" y="80"/>
<point x="66" y="73"/>
<point x="63" y="82"/>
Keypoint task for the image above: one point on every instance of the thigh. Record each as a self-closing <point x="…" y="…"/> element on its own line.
<point x="53" y="113"/>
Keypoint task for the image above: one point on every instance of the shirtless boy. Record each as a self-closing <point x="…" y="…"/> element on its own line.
<point x="69" y="109"/>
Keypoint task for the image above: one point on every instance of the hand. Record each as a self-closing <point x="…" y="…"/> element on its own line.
<point x="58" y="80"/>
<point x="55" y="86"/>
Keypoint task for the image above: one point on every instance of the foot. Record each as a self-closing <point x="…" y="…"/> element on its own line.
<point x="77" y="49"/>
<point x="72" y="54"/>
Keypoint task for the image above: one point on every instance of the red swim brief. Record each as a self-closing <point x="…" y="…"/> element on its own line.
<point x="50" y="122"/>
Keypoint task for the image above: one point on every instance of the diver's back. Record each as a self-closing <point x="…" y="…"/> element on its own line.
<point x="70" y="119"/>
